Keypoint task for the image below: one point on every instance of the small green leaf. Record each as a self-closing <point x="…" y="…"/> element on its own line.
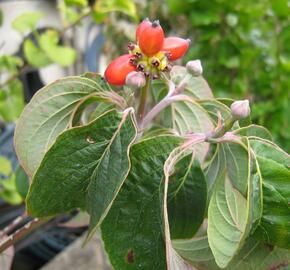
<point x="79" y="3"/>
<point x="133" y="229"/>
<point x="61" y="55"/>
<point x="8" y="191"/>
<point x="10" y="63"/>
<point x="76" y="158"/>
<point x="26" y="21"/>
<point x="5" y="166"/>
<point x="46" y="116"/>
<point x="13" y="104"/>
<point x="34" y="55"/>
<point x="127" y="7"/>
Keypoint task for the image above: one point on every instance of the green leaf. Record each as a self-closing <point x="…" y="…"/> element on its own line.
<point x="26" y="21"/>
<point x="61" y="55"/>
<point x="46" y="116"/>
<point x="173" y="260"/>
<point x="187" y="198"/>
<point x="5" y="166"/>
<point x="22" y="182"/>
<point x="10" y="63"/>
<point x="196" y="87"/>
<point x="80" y="3"/>
<point x="226" y="221"/>
<point x="111" y="171"/>
<point x="255" y="131"/>
<point x="127" y="7"/>
<point x="253" y="256"/>
<point x="273" y="163"/>
<point x="77" y="158"/>
<point x="13" y="103"/>
<point x="133" y="229"/>
<point x="213" y="107"/>
<point x="8" y="191"/>
<point x="235" y="205"/>
<point x="274" y="227"/>
<point x="34" y="55"/>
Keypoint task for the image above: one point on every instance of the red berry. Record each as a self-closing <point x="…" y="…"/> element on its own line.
<point x="151" y="39"/>
<point x="175" y="46"/>
<point x="118" y="70"/>
<point x="144" y="24"/>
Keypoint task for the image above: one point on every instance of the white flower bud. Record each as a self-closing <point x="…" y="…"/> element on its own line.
<point x="240" y="109"/>
<point x="135" y="80"/>
<point x="194" y="67"/>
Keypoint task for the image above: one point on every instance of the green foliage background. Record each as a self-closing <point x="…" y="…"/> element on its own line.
<point x="244" y="47"/>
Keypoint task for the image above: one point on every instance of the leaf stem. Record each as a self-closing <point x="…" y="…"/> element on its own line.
<point x="143" y="100"/>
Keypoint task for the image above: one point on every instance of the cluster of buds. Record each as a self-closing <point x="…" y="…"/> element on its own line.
<point x="151" y="55"/>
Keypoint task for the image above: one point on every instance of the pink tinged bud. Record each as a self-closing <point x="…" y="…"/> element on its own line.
<point x="135" y="80"/>
<point x="240" y="109"/>
<point x="194" y="67"/>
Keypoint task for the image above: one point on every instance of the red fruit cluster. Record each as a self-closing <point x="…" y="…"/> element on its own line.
<point x="152" y="54"/>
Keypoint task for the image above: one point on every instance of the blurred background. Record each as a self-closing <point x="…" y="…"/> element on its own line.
<point x="244" y="47"/>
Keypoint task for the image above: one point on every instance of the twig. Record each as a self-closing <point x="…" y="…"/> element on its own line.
<point x="19" y="234"/>
<point x="15" y="223"/>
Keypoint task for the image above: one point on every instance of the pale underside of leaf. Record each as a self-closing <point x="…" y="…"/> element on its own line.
<point x="46" y="116"/>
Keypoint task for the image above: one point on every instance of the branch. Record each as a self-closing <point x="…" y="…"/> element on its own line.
<point x="19" y="234"/>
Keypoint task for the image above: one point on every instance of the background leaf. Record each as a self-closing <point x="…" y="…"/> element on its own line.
<point x="34" y="55"/>
<point x="26" y="21"/>
<point x="127" y="7"/>
<point x="61" y="55"/>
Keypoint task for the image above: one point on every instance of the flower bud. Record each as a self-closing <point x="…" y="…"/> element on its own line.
<point x="240" y="109"/>
<point x="194" y="67"/>
<point x="135" y="80"/>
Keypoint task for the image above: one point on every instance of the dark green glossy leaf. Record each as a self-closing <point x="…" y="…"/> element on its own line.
<point x="133" y="229"/>
<point x="187" y="198"/>
<point x="111" y="171"/>
<point x="75" y="159"/>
